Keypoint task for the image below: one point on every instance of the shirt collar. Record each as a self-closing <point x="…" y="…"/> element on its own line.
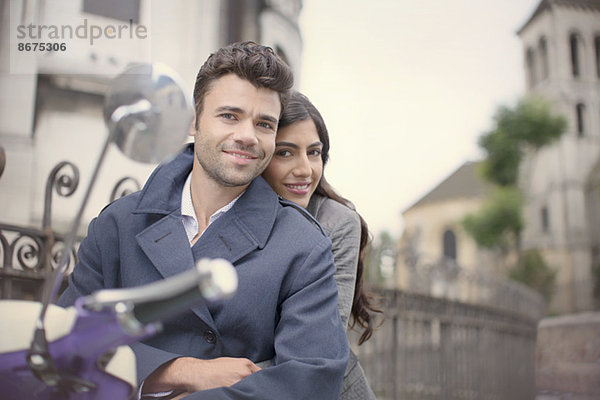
<point x="188" y="215"/>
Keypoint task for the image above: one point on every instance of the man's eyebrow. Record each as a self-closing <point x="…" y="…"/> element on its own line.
<point x="230" y="108"/>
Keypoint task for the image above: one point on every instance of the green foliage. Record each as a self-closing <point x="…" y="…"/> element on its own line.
<point x="531" y="123"/>
<point x="499" y="222"/>
<point x="533" y="271"/>
<point x="503" y="158"/>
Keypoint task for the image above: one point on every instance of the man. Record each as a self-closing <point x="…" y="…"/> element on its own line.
<point x="285" y="308"/>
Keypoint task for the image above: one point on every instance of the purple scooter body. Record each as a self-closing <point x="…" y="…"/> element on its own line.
<point x="104" y="321"/>
<point x="78" y="354"/>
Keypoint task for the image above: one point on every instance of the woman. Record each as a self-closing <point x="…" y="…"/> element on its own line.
<point x="296" y="173"/>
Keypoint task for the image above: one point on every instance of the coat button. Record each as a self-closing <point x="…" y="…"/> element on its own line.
<point x="210" y="337"/>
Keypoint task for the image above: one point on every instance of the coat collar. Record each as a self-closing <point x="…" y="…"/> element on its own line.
<point x="315" y="203"/>
<point x="254" y="213"/>
<point x="162" y="192"/>
<point x="257" y="210"/>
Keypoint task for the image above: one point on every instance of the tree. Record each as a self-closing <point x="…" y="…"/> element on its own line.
<point x="531" y="124"/>
<point x="528" y="126"/>
<point x="532" y="270"/>
<point x="498" y="223"/>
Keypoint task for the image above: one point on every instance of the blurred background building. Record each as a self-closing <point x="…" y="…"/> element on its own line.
<point x="432" y="224"/>
<point x="561" y="42"/>
<point x="560" y="182"/>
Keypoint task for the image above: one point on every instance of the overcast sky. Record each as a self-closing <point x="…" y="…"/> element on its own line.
<point x="406" y="88"/>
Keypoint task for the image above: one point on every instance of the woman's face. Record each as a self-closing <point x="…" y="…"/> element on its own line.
<point x="296" y="167"/>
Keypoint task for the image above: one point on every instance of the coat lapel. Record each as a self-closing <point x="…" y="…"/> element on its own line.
<point x="244" y="228"/>
<point x="224" y="238"/>
<point x="240" y="231"/>
<point x="166" y="245"/>
<point x="165" y="242"/>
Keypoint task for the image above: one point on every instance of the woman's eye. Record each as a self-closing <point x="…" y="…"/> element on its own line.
<point x="283" y="153"/>
<point x="315" y="152"/>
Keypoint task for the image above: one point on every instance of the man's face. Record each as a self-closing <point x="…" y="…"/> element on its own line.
<point x="236" y="132"/>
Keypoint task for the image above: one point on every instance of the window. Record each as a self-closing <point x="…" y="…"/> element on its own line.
<point x="580" y="115"/>
<point x="530" y="59"/>
<point x="575" y="46"/>
<point x="449" y="245"/>
<point x="545" y="219"/>
<point x="543" y="49"/>
<point x="122" y="10"/>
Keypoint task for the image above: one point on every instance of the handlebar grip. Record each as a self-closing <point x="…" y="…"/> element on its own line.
<point x="210" y="280"/>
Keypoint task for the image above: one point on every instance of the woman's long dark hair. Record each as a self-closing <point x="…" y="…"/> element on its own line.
<point x="299" y="108"/>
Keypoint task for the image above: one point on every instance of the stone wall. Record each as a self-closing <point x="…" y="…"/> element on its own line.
<point x="568" y="356"/>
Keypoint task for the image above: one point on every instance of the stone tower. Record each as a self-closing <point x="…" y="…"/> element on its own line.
<point x="561" y="43"/>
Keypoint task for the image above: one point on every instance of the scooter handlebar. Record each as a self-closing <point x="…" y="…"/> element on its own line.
<point x="210" y="280"/>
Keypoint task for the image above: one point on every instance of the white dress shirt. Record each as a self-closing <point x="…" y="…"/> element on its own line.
<point x="188" y="215"/>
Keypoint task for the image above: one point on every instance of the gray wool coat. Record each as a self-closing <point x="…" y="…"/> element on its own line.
<point x="342" y="225"/>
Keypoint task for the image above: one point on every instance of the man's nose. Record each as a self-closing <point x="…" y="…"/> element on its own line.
<point x="245" y="133"/>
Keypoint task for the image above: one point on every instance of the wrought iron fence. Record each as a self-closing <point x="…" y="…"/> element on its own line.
<point x="453" y="334"/>
<point x="446" y="279"/>
<point x="29" y="255"/>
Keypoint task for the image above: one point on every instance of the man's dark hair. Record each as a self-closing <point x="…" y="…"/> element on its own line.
<point x="253" y="62"/>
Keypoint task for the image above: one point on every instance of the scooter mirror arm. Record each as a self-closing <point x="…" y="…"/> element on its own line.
<point x="38" y="358"/>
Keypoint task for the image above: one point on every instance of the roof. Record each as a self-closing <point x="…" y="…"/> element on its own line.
<point x="585" y="5"/>
<point x="465" y="182"/>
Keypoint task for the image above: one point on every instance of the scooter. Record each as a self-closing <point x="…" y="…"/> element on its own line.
<point x="48" y="352"/>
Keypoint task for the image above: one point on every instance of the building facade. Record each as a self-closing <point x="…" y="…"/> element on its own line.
<point x="436" y="256"/>
<point x="561" y="182"/>
<point x="432" y="224"/>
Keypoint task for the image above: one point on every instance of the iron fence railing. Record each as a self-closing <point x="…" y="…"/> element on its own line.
<point x="436" y="348"/>
<point x="29" y="255"/>
<point x="446" y="279"/>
